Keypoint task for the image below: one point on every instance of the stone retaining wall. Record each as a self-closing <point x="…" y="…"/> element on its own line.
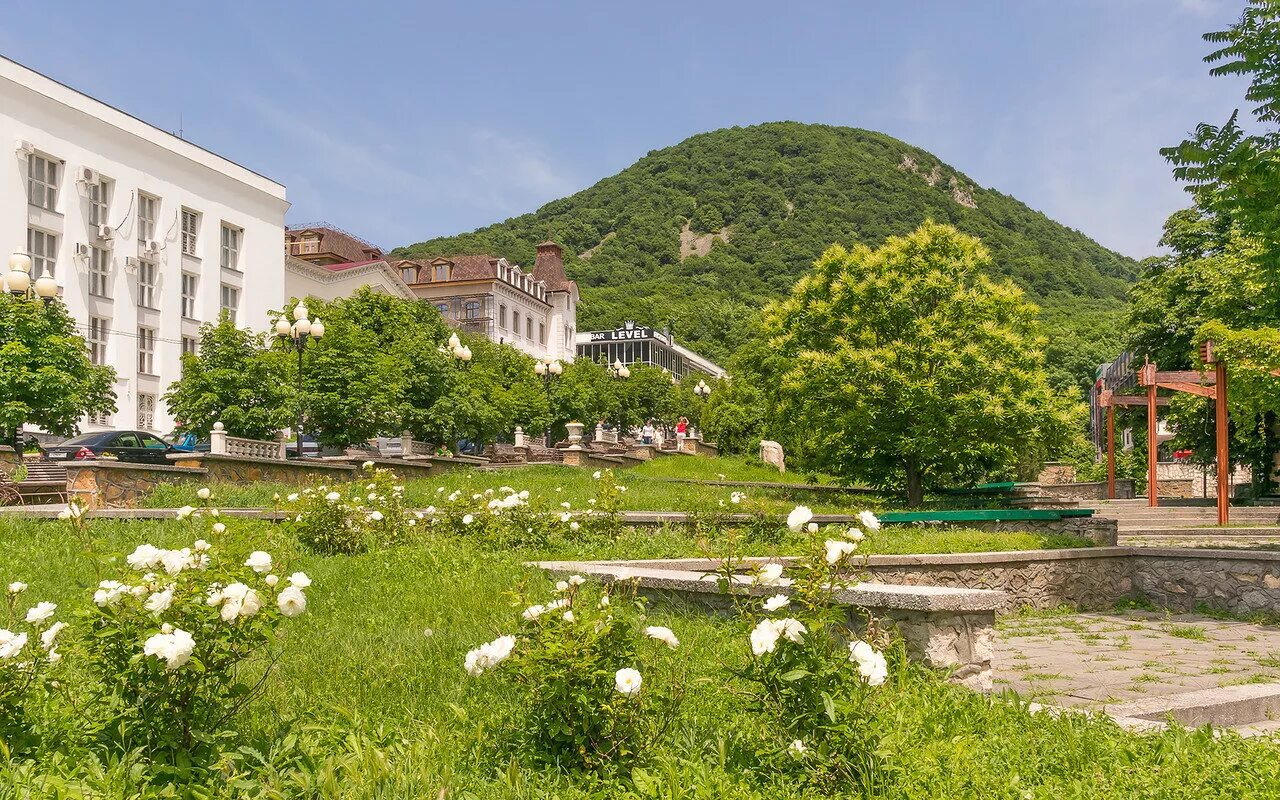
<point x="1240" y="582"/>
<point x="9" y="460"/>
<point x="244" y="469"/>
<point x="1102" y="531"/>
<point x="1096" y="490"/>
<point x="108" y="484"/>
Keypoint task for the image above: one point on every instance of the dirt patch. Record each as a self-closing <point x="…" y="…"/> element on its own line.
<point x="589" y="252"/>
<point x="693" y="244"/>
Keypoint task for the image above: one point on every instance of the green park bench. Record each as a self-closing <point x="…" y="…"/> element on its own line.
<point x="984" y="515"/>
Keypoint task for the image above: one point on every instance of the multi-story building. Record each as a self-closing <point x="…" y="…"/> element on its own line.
<point x="324" y="261"/>
<point x="147" y="234"/>
<point x="640" y="344"/>
<point x="535" y="310"/>
<point x="325" y="244"/>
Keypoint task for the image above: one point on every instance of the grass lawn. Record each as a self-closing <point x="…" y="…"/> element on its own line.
<point x="364" y="703"/>
<point x="649" y="487"/>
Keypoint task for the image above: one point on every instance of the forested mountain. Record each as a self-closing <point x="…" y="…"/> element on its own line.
<point x="703" y="233"/>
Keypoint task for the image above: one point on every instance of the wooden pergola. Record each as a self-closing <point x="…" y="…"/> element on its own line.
<point x="1205" y="384"/>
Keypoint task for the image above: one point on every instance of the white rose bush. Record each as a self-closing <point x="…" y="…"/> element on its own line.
<point x="817" y="686"/>
<point x="594" y="694"/>
<point x="365" y="514"/>
<point x="174" y="640"/>
<point x="29" y="635"/>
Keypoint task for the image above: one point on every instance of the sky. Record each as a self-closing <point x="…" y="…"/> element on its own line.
<point x="401" y="121"/>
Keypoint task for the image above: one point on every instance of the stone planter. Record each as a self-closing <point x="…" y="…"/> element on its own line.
<point x="575" y="435"/>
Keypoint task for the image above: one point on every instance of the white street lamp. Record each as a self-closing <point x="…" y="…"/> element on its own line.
<point x="296" y="336"/>
<point x="19" y="277"/>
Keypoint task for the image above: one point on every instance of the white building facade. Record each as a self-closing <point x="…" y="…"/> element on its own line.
<point x="147" y="235"/>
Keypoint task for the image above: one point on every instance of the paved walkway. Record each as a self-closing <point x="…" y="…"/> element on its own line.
<point x="1103" y="659"/>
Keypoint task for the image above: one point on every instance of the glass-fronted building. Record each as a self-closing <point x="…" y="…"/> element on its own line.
<point x="640" y="344"/>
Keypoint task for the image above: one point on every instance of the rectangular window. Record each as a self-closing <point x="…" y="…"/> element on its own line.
<point x="409" y="275"/>
<point x="43" y="249"/>
<point x="442" y="272"/>
<point x="190" y="344"/>
<point x="148" y="210"/>
<point x="99" y="272"/>
<point x="190" y="231"/>
<point x="231" y="246"/>
<point x="542" y="333"/>
<point x="502" y="317"/>
<point x="101" y="418"/>
<point x="98" y="340"/>
<point x="147" y="351"/>
<point x="99" y="199"/>
<point x="230" y="301"/>
<point x="188" y="295"/>
<point x="42" y="182"/>
<point x="146" y="411"/>
<point x="147" y="284"/>
<point x="515" y="323"/>
<point x="528" y="325"/>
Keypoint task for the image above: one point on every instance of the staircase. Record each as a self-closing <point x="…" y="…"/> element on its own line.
<point x="1189" y="523"/>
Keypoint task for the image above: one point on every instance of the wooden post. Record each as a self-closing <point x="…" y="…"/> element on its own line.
<point x="1111" y="452"/>
<point x="1153" y="488"/>
<point x="1224" y="462"/>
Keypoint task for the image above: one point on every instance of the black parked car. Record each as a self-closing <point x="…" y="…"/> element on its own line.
<point x="136" y="446"/>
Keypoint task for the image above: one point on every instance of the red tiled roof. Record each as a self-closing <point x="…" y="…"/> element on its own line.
<point x="340" y="243"/>
<point x="548" y="267"/>
<point x="350" y="265"/>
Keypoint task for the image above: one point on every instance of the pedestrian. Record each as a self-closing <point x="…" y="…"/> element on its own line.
<point x="682" y="430"/>
<point x="647" y="432"/>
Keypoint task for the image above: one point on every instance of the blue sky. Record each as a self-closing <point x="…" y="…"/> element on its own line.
<point x="401" y="121"/>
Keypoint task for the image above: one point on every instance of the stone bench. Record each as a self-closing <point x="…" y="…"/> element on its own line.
<point x="946" y="628"/>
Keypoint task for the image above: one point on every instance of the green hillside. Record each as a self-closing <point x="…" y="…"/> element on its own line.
<point x="705" y="232"/>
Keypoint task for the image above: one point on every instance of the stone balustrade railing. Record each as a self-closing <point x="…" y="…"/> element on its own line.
<point x="220" y="444"/>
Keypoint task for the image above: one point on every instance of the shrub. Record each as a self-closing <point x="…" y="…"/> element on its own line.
<point x="364" y="514"/>
<point x="817" y="687"/>
<point x="581" y="659"/>
<point x="28" y="649"/>
<point x="171" y="643"/>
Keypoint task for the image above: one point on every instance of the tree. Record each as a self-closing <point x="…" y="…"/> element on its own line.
<point x="734" y="416"/>
<point x="583" y="393"/>
<point x="234" y="379"/>
<point x="46" y="375"/>
<point x="906" y="364"/>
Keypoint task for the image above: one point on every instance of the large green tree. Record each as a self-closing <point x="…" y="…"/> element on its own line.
<point x="235" y="379"/>
<point x="46" y="376"/>
<point x="907" y="365"/>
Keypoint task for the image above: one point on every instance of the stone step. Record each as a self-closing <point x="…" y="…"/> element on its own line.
<point x="1206" y="532"/>
<point x="1269" y="728"/>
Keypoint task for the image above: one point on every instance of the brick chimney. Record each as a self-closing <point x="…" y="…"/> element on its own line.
<point x="548" y="267"/>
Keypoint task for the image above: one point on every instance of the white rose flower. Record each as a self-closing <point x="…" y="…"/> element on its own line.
<point x="627" y="681"/>
<point x="109" y="593"/>
<point x="213" y="512"/>
<point x="203" y="493"/>
<point x="799" y="517"/>
<point x="869" y="521"/>
<point x="604" y="600"/>
<point x="292" y="498"/>
<point x="838" y="550"/>
<point x="562" y="586"/>
<point x="565" y="505"/>
<point x="488" y="656"/>
<point x="375" y="516"/>
<point x="11" y="644"/>
<point x="573" y="526"/>
<point x="51" y="633"/>
<point x="776" y="602"/>
<point x="145" y="556"/>
<point x="855" y="535"/>
<point x="173" y="648"/>
<point x="159" y="602"/>
<point x="736" y="497"/>
<point x="219" y="528"/>
<point x="797" y="748"/>
<point x="568" y="616"/>
<point x="251" y="604"/>
<point x="64" y="514"/>
<point x="40" y="612"/>
<point x="186" y="511"/>
<point x="566" y="517"/>
<point x="201" y="546"/>
<point x="764" y="637"/>
<point x="300" y="580"/>
<point x="174" y="561"/>
<point x="813" y="527"/>
<point x="792" y="630"/>
<point x="259" y="562"/>
<point x="576" y="580"/>
<point x="333" y="497"/>
<point x="271" y="580"/>
<point x="769" y="574"/>
<point x="664" y="635"/>
<point x="872" y="665"/>
<point x="17" y="587"/>
<point x="367" y="465"/>
<point x="533" y="612"/>
<point x="53" y="657"/>
<point x="468" y="519"/>
<point x="291" y="601"/>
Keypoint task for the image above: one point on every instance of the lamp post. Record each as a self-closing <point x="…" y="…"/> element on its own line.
<point x="20" y="284"/>
<point x="462" y="358"/>
<point x="620" y="373"/>
<point x="702" y="390"/>
<point x="547" y="369"/>
<point x="296" y="335"/>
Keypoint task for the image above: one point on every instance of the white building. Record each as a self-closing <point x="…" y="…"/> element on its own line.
<point x="147" y="235"/>
<point x="640" y="344"/>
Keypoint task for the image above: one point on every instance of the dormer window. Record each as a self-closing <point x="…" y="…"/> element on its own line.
<point x="442" y="272"/>
<point x="409" y="274"/>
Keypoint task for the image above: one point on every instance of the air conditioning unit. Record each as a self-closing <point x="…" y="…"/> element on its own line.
<point x="130" y="264"/>
<point x="152" y="246"/>
<point x="25" y="148"/>
<point x="90" y="176"/>
<point x="82" y="251"/>
<point x="106" y="232"/>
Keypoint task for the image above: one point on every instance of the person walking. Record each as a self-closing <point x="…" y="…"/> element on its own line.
<point x="682" y="430"/>
<point x="647" y="432"/>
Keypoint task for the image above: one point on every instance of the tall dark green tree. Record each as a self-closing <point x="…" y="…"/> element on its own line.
<point x="46" y="376"/>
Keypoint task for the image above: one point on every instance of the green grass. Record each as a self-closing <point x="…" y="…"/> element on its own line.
<point x="391" y="714"/>
<point x="731" y="468"/>
<point x="1193" y="632"/>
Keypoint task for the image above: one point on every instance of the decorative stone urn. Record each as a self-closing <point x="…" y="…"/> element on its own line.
<point x="575" y="435"/>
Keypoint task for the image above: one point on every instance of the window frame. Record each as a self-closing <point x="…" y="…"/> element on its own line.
<point x="41" y="258"/>
<point x="146" y="350"/>
<point x="99" y="272"/>
<point x="48" y="181"/>
<point x="147" y="288"/>
<point x="99" y="203"/>
<point x="230" y="243"/>
<point x="232" y="310"/>
<point x="191" y="234"/>
<point x="147" y="221"/>
<point x="188" y="301"/>
<point x="147" y="403"/>
<point x="99" y="329"/>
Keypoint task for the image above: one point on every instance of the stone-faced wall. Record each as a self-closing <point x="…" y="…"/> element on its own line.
<point x="9" y="460"/>
<point x="1240" y="582"/>
<point x="1096" y="490"/>
<point x="244" y="469"/>
<point x="107" y="484"/>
